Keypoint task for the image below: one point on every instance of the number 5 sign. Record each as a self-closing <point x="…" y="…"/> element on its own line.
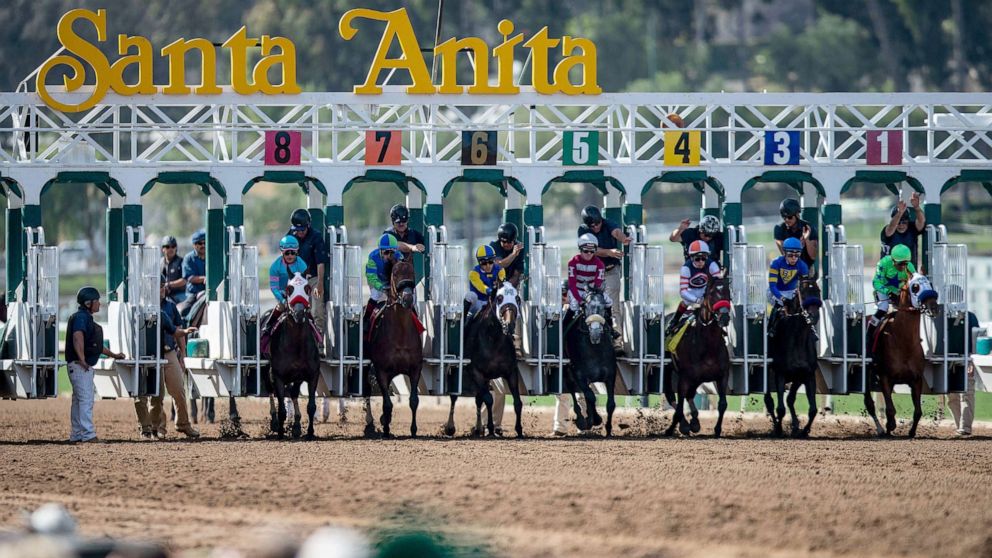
<point x="884" y="147"/>
<point x="580" y="148"/>
<point x="282" y="148"/>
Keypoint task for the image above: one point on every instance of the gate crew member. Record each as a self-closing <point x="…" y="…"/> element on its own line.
<point x="783" y="278"/>
<point x="408" y="240"/>
<point x="610" y="237"/>
<point x="83" y="347"/>
<point x="172" y="269"/>
<point x="195" y="270"/>
<point x="509" y="253"/>
<point x="892" y="271"/>
<point x="905" y="227"/>
<point x="378" y="269"/>
<point x="794" y="227"/>
<point x="288" y="264"/>
<point x="482" y="280"/>
<point x="694" y="277"/>
<point x="313" y="251"/>
<point x="708" y="230"/>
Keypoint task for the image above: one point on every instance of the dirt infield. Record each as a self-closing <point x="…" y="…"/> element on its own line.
<point x="841" y="493"/>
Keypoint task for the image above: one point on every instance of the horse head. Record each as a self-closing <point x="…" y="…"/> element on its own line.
<point x="917" y="293"/>
<point x="298" y="297"/>
<point x="716" y="300"/>
<point x="594" y="309"/>
<point x="507" y="307"/>
<point x="402" y="283"/>
<point x="812" y="301"/>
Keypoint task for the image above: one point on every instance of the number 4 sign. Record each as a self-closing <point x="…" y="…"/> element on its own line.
<point x="282" y="147"/>
<point x="682" y="148"/>
<point x="884" y="147"/>
<point x="580" y="148"/>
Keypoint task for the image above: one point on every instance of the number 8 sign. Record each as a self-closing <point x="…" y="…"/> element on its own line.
<point x="282" y="147"/>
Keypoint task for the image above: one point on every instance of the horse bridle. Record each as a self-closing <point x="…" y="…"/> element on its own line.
<point x="708" y="306"/>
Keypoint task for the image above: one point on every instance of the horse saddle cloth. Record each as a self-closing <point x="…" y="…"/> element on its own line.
<point x="374" y="321"/>
<point x="878" y="332"/>
<point x="673" y="342"/>
<point x="318" y="336"/>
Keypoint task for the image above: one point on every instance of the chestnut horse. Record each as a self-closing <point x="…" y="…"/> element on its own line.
<point x="899" y="357"/>
<point x="395" y="348"/>
<point x="701" y="357"/>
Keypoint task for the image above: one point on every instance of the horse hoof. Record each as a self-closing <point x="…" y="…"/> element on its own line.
<point x="694" y="425"/>
<point x="684" y="429"/>
<point x="310" y="438"/>
<point x="580" y="423"/>
<point x="369" y="431"/>
<point x="597" y="420"/>
<point x="449" y="430"/>
<point x="801" y="434"/>
<point x="717" y="432"/>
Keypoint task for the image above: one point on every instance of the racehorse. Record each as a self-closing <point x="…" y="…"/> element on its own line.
<point x="591" y="359"/>
<point x="899" y="357"/>
<point x="489" y="347"/>
<point x="794" y="357"/>
<point x="701" y="357"/>
<point x="395" y="348"/>
<point x="295" y="359"/>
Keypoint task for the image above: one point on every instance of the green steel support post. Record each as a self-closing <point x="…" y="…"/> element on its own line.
<point x="117" y="265"/>
<point x="31" y="215"/>
<point x="633" y="214"/>
<point x="216" y="251"/>
<point x="733" y="216"/>
<point x="832" y="214"/>
<point x="234" y="216"/>
<point x="433" y="215"/>
<point x="334" y="215"/>
<point x="932" y="213"/>
<point x="15" y="252"/>
<point x="417" y="224"/>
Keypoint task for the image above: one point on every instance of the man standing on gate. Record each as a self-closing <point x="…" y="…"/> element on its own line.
<point x="794" y="227"/>
<point x="610" y="237"/>
<point x="195" y="270"/>
<point x="510" y="254"/>
<point x="313" y="251"/>
<point x="83" y="347"/>
<point x="708" y="230"/>
<point x="172" y="270"/>
<point x="408" y="240"/>
<point x="905" y="227"/>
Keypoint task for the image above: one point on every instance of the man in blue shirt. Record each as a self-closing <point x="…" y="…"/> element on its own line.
<point x="313" y="251"/>
<point x="195" y="270"/>
<point x="83" y="347"/>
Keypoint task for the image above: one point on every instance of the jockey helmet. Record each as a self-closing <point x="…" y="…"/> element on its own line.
<point x="591" y="215"/>
<point x="901" y="253"/>
<point x="699" y="247"/>
<point x="507" y="232"/>
<point x="484" y="252"/>
<point x="399" y="214"/>
<point x="908" y="216"/>
<point x="792" y="244"/>
<point x="789" y="207"/>
<point x="388" y="242"/>
<point x="588" y="239"/>
<point x="87" y="294"/>
<point x="168" y="241"/>
<point x="289" y="242"/>
<point x="709" y="225"/>
<point x="300" y="219"/>
<point x="198" y="236"/>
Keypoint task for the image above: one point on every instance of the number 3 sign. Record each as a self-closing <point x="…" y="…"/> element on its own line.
<point x="282" y="148"/>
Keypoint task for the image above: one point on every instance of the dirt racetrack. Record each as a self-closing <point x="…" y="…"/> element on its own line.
<point x="840" y="493"/>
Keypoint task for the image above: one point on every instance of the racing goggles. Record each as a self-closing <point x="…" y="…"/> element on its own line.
<point x="589" y="250"/>
<point x="793" y="253"/>
<point x="487" y="262"/>
<point x="290" y="252"/>
<point x="700" y="258"/>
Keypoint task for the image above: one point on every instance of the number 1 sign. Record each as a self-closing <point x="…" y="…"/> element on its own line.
<point x="884" y="147"/>
<point x="282" y="147"/>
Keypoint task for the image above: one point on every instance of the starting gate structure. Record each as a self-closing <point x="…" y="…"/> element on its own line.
<point x="343" y="369"/>
<point x="950" y="350"/>
<point x="749" y="287"/>
<point x="135" y="328"/>
<point x="30" y="336"/>
<point x="544" y="367"/>
<point x="845" y="365"/>
<point x="644" y="316"/>
<point x="446" y="315"/>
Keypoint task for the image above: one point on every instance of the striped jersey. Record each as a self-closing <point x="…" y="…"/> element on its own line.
<point x="582" y="273"/>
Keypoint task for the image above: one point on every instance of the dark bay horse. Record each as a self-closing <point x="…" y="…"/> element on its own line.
<point x="489" y="347"/>
<point x="395" y="348"/>
<point x="794" y="353"/>
<point x="700" y="357"/>
<point x="294" y="360"/>
<point x="899" y="357"/>
<point x="591" y="359"/>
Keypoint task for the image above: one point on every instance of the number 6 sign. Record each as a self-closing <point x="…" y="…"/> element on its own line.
<point x="282" y="147"/>
<point x="479" y="147"/>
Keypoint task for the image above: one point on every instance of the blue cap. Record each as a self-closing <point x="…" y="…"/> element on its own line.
<point x="199" y="236"/>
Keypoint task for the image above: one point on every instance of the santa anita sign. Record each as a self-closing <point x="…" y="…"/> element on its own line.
<point x="280" y="53"/>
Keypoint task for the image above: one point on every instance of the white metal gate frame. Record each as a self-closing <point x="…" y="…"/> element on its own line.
<point x="846" y="276"/>
<point x="544" y="299"/>
<point x="748" y="291"/>
<point x="647" y="293"/>
<point x="448" y="289"/>
<point x="346" y="305"/>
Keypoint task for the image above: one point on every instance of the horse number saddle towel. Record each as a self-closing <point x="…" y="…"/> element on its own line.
<point x="673" y="342"/>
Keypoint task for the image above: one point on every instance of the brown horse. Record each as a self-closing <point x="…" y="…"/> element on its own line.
<point x="395" y="348"/>
<point x="701" y="357"/>
<point x="899" y="357"/>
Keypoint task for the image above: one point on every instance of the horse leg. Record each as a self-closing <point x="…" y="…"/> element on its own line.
<point x="387" y="404"/>
<point x="721" y="389"/>
<point x="770" y="407"/>
<point x="280" y="395"/>
<point x="780" y="408"/>
<point x="682" y="395"/>
<point x="312" y="407"/>
<point x="611" y="401"/>
<point x="369" y="420"/>
<point x="916" y="388"/>
<point x="518" y="405"/>
<point x="487" y="398"/>
<point x="580" y="421"/>
<point x="477" y="430"/>
<point x="791" y="400"/>
<point x="232" y="412"/>
<point x="592" y="414"/>
<point x="273" y="414"/>
<point x="414" y="400"/>
<point x="676" y="404"/>
<point x="294" y="393"/>
<point x="890" y="407"/>
<point x="449" y="427"/>
<point x="811" y="398"/>
<point x="870" y="407"/>
<point x="694" y="426"/>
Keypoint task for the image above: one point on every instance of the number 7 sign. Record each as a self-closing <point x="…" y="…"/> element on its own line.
<point x="383" y="147"/>
<point x="884" y="147"/>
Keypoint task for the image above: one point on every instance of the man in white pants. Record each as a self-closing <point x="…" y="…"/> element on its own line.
<point x="83" y="347"/>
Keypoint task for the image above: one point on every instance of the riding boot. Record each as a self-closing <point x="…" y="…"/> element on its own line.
<point x="773" y="321"/>
<point x="271" y="322"/>
<point x="673" y="325"/>
<point x="873" y="324"/>
<point x="467" y="310"/>
<point x="609" y="319"/>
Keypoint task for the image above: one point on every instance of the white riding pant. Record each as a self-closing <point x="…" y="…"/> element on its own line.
<point x="475" y="300"/>
<point x="883" y="301"/>
<point x="574" y="304"/>
<point x="376" y="294"/>
<point x="786" y="295"/>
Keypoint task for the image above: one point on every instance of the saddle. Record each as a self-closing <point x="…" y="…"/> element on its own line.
<point x="882" y="326"/>
<point x="374" y="321"/>
<point x="318" y="336"/>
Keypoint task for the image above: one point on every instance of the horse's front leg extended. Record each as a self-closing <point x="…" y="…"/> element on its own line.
<point x="890" y="408"/>
<point x="487" y="399"/>
<point x="611" y="400"/>
<point x="449" y="427"/>
<point x="916" y="388"/>
<point x="273" y="413"/>
<point x="770" y="407"/>
<point x="780" y="408"/>
<point x="811" y="398"/>
<point x="518" y="405"/>
<point x="791" y="400"/>
<point x="280" y="396"/>
<point x="312" y="407"/>
<point x="294" y="393"/>
<point x="721" y="406"/>
<point x="369" y="420"/>
<point x="870" y="407"/>
<point x="414" y="399"/>
<point x="477" y="429"/>
<point x="693" y="413"/>
<point x="387" y="404"/>
<point x="592" y="414"/>
<point x="580" y="420"/>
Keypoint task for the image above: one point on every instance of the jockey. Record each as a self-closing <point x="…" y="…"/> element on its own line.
<point x="694" y="277"/>
<point x="585" y="270"/>
<point x="892" y="271"/>
<point x="377" y="271"/>
<point x="281" y="271"/>
<point x="783" y="278"/>
<point x="482" y="279"/>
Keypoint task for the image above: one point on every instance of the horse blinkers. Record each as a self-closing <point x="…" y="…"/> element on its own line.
<point x="299" y="312"/>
